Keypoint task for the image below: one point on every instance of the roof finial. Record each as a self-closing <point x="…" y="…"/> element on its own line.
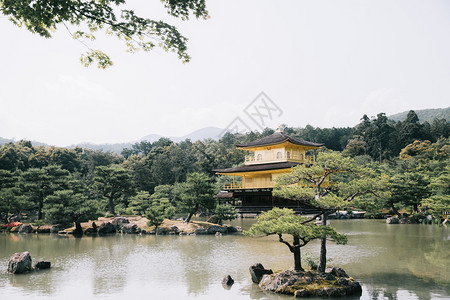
<point x="280" y="128"/>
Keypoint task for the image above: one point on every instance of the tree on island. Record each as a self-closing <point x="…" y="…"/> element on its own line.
<point x="224" y="212"/>
<point x="140" y="202"/>
<point x="65" y="207"/>
<point x="196" y="193"/>
<point x="439" y="201"/>
<point x="114" y="184"/>
<point x="159" y="210"/>
<point x="10" y="202"/>
<point x="283" y="221"/>
<point x="313" y="187"/>
<point x="36" y="184"/>
<point x="83" y="19"/>
<point x="408" y="189"/>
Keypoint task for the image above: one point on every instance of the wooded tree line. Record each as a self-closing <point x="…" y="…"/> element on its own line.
<point x="162" y="175"/>
<point x="418" y="181"/>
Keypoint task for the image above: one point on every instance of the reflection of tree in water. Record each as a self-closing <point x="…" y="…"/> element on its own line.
<point x="198" y="262"/>
<point x="110" y="267"/>
<point x="205" y="260"/>
<point x="36" y="282"/>
<point x="433" y="263"/>
<point x="400" y="286"/>
<point x="407" y="259"/>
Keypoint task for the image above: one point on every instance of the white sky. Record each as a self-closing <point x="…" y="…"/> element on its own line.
<point x="324" y="63"/>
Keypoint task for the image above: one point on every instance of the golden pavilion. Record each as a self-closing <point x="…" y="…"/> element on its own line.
<point x="270" y="156"/>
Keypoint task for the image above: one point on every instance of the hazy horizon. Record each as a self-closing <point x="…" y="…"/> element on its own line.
<point x="323" y="63"/>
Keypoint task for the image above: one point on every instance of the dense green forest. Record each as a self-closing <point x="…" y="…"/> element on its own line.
<point x="64" y="185"/>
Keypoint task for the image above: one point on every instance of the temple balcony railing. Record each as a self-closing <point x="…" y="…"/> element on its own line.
<point x="279" y="157"/>
<point x="241" y="186"/>
<point x="267" y="185"/>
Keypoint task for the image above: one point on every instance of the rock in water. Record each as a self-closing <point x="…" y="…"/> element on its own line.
<point x="215" y="228"/>
<point x="20" y="263"/>
<point x="130" y="228"/>
<point x="175" y="229"/>
<point x="200" y="230"/>
<point x="231" y="229"/>
<point x="118" y="222"/>
<point x="227" y="280"/>
<point x="392" y="220"/>
<point x="25" y="228"/>
<point x="336" y="271"/>
<point x="257" y="271"/>
<point x="55" y="229"/>
<point x="40" y="265"/>
<point x="106" y="228"/>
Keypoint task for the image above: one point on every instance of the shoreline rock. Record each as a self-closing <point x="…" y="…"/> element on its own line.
<point x="133" y="225"/>
<point x="20" y="263"/>
<point x="392" y="220"/>
<point x="257" y="271"/>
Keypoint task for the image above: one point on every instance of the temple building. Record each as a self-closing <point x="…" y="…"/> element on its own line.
<point x="252" y="183"/>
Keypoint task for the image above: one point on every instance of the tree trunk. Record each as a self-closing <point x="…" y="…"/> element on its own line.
<point x="78" y="228"/>
<point x="323" y="247"/>
<point x="380" y="152"/>
<point x="395" y="210"/>
<point x="297" y="255"/>
<point x="111" y="206"/>
<point x="188" y="219"/>
<point x="40" y="206"/>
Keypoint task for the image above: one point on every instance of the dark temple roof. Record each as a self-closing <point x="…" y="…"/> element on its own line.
<point x="277" y="138"/>
<point x="259" y="167"/>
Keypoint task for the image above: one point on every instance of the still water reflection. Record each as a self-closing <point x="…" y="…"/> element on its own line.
<point x="391" y="262"/>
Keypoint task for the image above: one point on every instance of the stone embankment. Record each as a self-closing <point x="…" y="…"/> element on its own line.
<point x="138" y="225"/>
<point x="130" y="225"/>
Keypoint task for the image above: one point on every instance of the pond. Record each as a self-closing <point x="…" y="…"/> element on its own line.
<point x="390" y="261"/>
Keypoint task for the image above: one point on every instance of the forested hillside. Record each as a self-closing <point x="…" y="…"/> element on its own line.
<point x="425" y="115"/>
<point x="334" y="138"/>
<point x="34" y="179"/>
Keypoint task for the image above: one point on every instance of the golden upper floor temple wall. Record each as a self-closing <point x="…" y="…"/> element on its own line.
<point x="278" y="153"/>
<point x="268" y="157"/>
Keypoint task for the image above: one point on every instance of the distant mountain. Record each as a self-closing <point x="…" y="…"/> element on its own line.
<point x="34" y="143"/>
<point x="150" y="138"/>
<point x="201" y="134"/>
<point x="114" y="148"/>
<point x="5" y="141"/>
<point x="427" y="115"/>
